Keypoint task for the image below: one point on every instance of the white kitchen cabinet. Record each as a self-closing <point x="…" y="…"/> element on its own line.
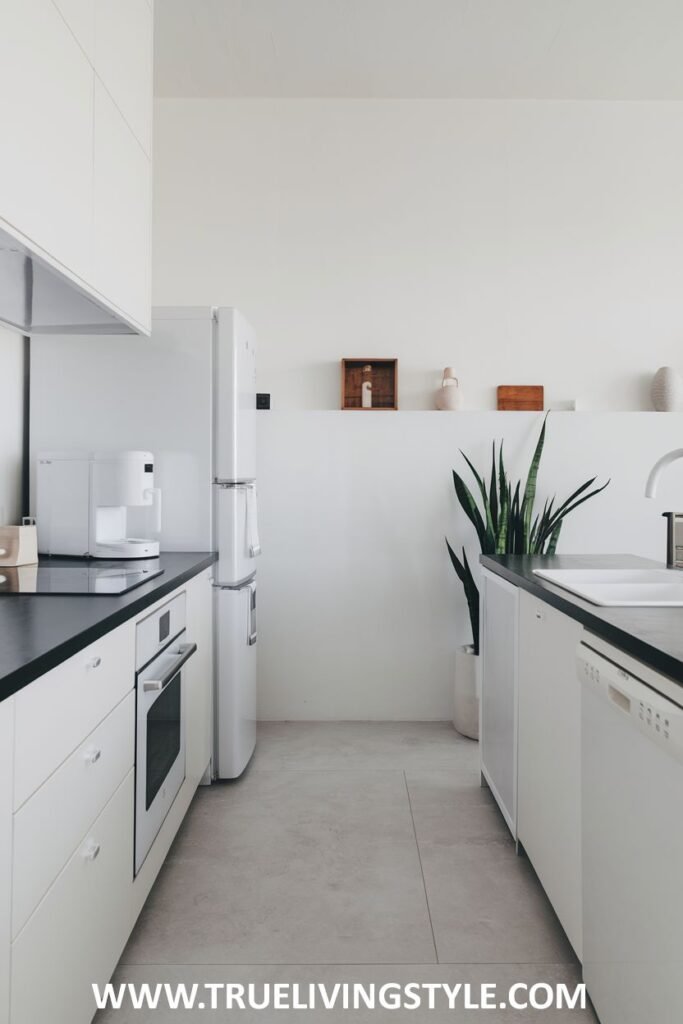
<point x="57" y="711"/>
<point x="498" y="716"/>
<point x="6" y="794"/>
<point x="46" y="112"/>
<point x="199" y="676"/>
<point x="76" y="935"/>
<point x="123" y="61"/>
<point x="121" y="212"/>
<point x="51" y="824"/>
<point x="80" y="17"/>
<point x="549" y="756"/>
<point x="75" y="175"/>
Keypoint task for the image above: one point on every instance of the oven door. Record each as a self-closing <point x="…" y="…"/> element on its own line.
<point x="160" y="741"/>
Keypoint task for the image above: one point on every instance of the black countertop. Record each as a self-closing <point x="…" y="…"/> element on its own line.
<point x="39" y="631"/>
<point x="652" y="635"/>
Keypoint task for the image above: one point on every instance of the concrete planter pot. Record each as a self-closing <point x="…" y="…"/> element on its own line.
<point x="466" y="692"/>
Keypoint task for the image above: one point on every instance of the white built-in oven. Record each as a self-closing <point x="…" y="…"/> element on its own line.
<point x="162" y="651"/>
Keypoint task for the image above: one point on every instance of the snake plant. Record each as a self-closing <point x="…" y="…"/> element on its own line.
<point x="507" y="523"/>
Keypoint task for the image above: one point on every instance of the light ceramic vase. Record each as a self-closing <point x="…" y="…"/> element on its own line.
<point x="466" y="692"/>
<point x="448" y="395"/>
<point x="667" y="389"/>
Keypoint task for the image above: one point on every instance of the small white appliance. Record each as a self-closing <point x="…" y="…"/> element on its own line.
<point x="192" y="400"/>
<point x="86" y="500"/>
<point x="632" y="835"/>
<point x="162" y="649"/>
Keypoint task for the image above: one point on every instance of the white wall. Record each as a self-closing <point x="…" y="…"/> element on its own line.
<point x="359" y="608"/>
<point x="11" y="425"/>
<point x="521" y="242"/>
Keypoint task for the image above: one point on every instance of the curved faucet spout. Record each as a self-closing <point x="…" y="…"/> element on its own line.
<point x="656" y="471"/>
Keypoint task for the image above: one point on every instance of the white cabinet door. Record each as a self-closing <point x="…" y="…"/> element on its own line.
<point x="78" y="931"/>
<point x="6" y="793"/>
<point x="498" y="739"/>
<point x="80" y="17"/>
<point x="199" y="676"/>
<point x="123" y="61"/>
<point x="549" y="760"/>
<point x="122" y="213"/>
<point x="46" y="113"/>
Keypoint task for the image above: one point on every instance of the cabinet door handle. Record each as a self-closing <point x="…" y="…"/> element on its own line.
<point x="92" y="756"/>
<point x="91" y="851"/>
<point x="94" y="662"/>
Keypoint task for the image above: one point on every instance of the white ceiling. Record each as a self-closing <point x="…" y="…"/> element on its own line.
<point x="564" y="49"/>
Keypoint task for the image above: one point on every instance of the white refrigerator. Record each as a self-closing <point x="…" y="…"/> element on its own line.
<point x="187" y="394"/>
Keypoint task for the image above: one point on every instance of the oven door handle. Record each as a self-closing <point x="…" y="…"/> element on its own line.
<point x="185" y="651"/>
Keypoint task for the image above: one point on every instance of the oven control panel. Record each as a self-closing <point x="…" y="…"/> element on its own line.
<point x="158" y="629"/>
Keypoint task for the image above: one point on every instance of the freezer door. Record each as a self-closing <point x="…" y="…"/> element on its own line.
<point x="236" y="532"/>
<point x="236" y="679"/>
<point x="235" y="397"/>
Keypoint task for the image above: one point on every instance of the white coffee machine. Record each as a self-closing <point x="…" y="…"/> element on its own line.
<point x="86" y="501"/>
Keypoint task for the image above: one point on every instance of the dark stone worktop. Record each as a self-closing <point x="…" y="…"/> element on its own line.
<point x="39" y="631"/>
<point x="652" y="635"/>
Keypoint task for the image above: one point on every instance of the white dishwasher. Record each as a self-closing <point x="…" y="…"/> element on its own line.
<point x="632" y="822"/>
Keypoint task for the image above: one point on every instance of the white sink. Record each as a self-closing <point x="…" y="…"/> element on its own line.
<point x="655" y="588"/>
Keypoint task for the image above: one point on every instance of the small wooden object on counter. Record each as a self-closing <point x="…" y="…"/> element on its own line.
<point x="383" y="377"/>
<point x="520" y="397"/>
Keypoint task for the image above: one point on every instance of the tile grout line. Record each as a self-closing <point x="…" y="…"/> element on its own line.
<point x="419" y="857"/>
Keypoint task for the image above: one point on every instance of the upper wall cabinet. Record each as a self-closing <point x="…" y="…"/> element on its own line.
<point x="80" y="17"/>
<point x="123" y="58"/>
<point x="46" y="113"/>
<point x="122" y="210"/>
<point x="75" y="165"/>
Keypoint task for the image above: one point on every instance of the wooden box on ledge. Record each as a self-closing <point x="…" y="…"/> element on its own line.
<point x="373" y="381"/>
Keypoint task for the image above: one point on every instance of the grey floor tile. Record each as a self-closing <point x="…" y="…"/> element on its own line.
<point x="452" y="807"/>
<point x="362" y="745"/>
<point x="486" y="904"/>
<point x="291" y="867"/>
<point x="503" y="976"/>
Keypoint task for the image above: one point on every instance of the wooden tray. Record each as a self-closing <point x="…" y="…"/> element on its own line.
<point x="519" y="397"/>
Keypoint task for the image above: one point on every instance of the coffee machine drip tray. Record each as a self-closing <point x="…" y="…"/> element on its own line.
<point x="78" y="578"/>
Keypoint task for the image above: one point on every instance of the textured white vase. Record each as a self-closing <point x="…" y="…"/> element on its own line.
<point x="448" y="395"/>
<point x="466" y="692"/>
<point x="667" y="389"/>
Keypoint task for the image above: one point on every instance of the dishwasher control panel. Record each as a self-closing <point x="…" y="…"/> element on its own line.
<point x="651" y="714"/>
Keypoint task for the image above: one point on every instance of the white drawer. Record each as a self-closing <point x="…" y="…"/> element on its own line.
<point x="52" y="823"/>
<point x="57" y="711"/>
<point x="77" y="933"/>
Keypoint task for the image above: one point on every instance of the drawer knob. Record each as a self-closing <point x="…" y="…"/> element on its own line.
<point x="91" y="851"/>
<point x="95" y="662"/>
<point x="92" y="756"/>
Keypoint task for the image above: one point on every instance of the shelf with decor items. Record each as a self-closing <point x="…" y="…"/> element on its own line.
<point x="369" y="385"/>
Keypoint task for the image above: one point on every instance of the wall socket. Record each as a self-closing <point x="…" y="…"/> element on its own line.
<point x="262" y="400"/>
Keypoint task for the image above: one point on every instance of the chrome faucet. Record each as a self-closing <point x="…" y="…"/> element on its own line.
<point x="674" y="529"/>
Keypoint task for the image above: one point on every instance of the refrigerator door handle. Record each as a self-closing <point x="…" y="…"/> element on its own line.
<point x="253" y="541"/>
<point x="252" y="632"/>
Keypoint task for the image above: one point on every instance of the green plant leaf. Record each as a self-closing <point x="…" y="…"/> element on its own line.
<point x="530" y="488"/>
<point x="472" y="593"/>
<point x="469" y="506"/>
<point x="465" y="576"/>
<point x="490" y="532"/>
<point x="554" y="537"/>
<point x="493" y="494"/>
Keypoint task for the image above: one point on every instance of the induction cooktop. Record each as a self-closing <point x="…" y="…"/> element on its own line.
<point x="73" y="579"/>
